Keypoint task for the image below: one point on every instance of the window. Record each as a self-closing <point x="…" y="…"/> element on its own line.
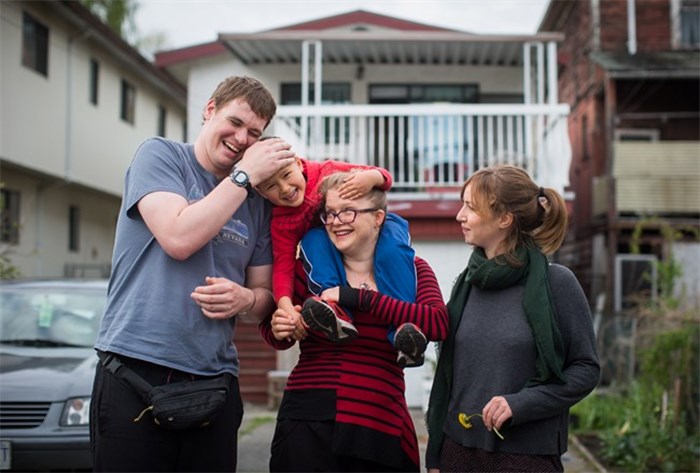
<point x="635" y="280"/>
<point x="94" y="80"/>
<point x="636" y="134"/>
<point x="161" y="120"/>
<point x="336" y="129"/>
<point x="128" y="104"/>
<point x="73" y="228"/>
<point x="331" y="93"/>
<point x="35" y="45"/>
<point x="690" y="23"/>
<point x="685" y="24"/>
<point x="424" y="93"/>
<point x="433" y="147"/>
<point x="9" y="216"/>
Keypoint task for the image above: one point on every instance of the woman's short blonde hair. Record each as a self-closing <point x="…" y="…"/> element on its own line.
<point x="376" y="196"/>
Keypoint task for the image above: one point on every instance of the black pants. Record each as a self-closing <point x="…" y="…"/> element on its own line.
<point x="120" y="444"/>
<point x="306" y="446"/>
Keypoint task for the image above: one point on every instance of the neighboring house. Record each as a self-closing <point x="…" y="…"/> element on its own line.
<point x="75" y="103"/>
<point x="431" y="105"/>
<point x="630" y="70"/>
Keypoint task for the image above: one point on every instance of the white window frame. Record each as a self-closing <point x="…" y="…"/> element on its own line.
<point x="651" y="134"/>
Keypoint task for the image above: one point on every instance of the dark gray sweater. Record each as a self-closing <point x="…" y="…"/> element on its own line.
<point x="495" y="356"/>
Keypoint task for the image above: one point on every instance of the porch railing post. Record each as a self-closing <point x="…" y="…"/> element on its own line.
<point x="304" y="96"/>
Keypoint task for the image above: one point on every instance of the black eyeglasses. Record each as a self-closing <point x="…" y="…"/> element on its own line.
<point x="344" y="216"/>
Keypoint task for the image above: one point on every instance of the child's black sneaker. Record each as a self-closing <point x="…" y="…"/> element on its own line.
<point x="328" y="318"/>
<point x="411" y="344"/>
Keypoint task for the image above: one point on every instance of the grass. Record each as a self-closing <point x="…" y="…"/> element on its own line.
<point x="253" y="424"/>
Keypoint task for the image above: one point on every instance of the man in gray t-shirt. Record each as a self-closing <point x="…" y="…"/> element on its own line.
<point x="192" y="252"/>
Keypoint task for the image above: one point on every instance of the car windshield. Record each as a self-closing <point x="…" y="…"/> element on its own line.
<point x="50" y="316"/>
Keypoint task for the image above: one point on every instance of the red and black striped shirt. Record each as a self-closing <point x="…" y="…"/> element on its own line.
<point x="358" y="384"/>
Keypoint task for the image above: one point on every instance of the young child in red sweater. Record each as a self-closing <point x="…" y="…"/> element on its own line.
<point x="293" y="191"/>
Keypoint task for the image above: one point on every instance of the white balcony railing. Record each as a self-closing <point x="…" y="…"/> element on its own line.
<point x="433" y="148"/>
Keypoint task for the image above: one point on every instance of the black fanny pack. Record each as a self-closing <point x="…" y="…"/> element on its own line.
<point x="178" y="405"/>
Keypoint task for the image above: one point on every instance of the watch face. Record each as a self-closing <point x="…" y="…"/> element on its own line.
<point x="241" y="178"/>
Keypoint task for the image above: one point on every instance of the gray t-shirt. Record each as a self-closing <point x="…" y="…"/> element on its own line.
<point x="149" y="313"/>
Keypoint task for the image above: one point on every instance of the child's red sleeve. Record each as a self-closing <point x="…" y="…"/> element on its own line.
<point x="284" y="251"/>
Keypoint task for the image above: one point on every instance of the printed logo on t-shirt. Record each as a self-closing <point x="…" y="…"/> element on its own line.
<point x="236" y="232"/>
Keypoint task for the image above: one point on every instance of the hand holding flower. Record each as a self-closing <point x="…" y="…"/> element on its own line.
<point x="465" y="421"/>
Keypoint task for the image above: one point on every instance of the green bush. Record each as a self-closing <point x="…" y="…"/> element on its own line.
<point x="597" y="412"/>
<point x="672" y="361"/>
<point x="648" y="439"/>
<point x="652" y="424"/>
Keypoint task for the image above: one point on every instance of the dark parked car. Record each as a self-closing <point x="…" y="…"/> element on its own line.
<point x="47" y="364"/>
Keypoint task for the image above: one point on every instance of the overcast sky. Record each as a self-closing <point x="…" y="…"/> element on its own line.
<point x="190" y="22"/>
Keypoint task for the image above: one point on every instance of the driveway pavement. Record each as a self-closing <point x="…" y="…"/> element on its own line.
<point x="258" y="427"/>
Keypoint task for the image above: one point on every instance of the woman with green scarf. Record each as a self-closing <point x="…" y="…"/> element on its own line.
<point x="521" y="349"/>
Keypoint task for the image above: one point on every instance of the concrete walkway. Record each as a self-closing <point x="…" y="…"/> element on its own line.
<point x="258" y="427"/>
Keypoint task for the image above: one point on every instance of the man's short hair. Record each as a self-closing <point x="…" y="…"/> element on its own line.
<point x="249" y="89"/>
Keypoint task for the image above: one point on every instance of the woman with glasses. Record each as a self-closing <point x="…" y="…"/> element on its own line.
<point x="344" y="407"/>
<point x="293" y="191"/>
<point x="394" y="267"/>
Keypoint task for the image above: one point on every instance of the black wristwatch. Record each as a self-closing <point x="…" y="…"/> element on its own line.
<point x="241" y="179"/>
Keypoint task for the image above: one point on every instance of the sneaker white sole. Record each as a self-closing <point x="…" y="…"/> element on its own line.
<point x="322" y="318"/>
<point x="411" y="345"/>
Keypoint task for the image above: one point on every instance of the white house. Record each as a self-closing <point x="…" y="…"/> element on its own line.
<point x="75" y="102"/>
<point x="429" y="104"/>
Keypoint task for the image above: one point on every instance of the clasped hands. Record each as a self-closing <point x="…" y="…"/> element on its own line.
<point x="287" y="323"/>
<point x="221" y="298"/>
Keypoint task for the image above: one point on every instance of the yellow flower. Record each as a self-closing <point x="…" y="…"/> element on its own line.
<point x="465" y="421"/>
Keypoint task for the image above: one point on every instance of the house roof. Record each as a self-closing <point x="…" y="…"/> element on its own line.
<point x="384" y="47"/>
<point x="90" y="25"/>
<point x="361" y="37"/>
<point x="556" y="15"/>
<point x="360" y="17"/>
<point x="662" y="64"/>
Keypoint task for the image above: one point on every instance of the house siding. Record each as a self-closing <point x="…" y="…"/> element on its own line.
<point x="653" y="25"/>
<point x="57" y="149"/>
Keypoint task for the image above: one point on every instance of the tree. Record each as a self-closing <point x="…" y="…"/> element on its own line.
<point x="117" y="14"/>
<point x="120" y="16"/>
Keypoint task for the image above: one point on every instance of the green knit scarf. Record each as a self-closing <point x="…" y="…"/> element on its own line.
<point x="495" y="274"/>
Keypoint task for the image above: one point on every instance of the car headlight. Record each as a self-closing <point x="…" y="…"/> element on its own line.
<point x="76" y="412"/>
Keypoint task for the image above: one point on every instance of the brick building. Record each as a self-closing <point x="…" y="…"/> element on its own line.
<point x="630" y="69"/>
